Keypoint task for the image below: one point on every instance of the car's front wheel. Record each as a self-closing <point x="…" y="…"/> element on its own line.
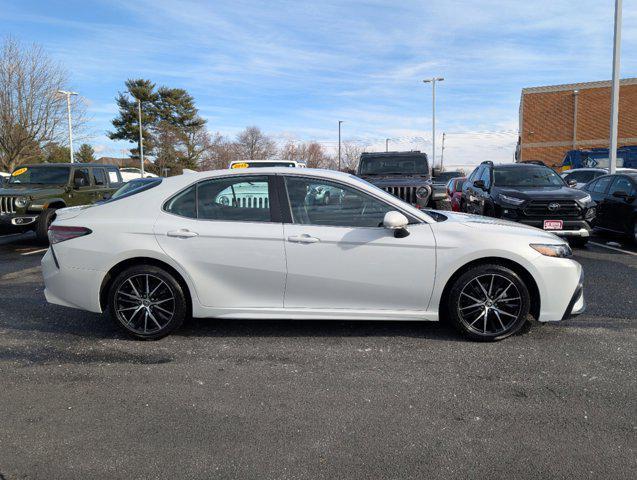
<point x="147" y="302"/>
<point x="42" y="225"/>
<point x="488" y="303"/>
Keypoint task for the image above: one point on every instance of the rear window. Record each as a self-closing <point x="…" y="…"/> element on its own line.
<point x="134" y="187"/>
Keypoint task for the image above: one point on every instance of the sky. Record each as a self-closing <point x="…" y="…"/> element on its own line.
<point x="294" y="68"/>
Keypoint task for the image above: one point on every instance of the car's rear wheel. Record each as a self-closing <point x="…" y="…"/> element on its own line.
<point x="488" y="303"/>
<point x="42" y="225"/>
<point x="147" y="302"/>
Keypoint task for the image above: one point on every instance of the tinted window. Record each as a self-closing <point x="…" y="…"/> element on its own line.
<point x="485" y="176"/>
<point x="385" y="165"/>
<point x="526" y="176"/>
<point x="99" y="176"/>
<point x="622" y="184"/>
<point x="241" y="199"/>
<point x="600" y="185"/>
<point x="81" y="178"/>
<point x="319" y="202"/>
<point x="135" y="186"/>
<point x="183" y="204"/>
<point x="40" y="175"/>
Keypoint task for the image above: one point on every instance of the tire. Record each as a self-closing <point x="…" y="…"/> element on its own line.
<point x="579" y="242"/>
<point x="144" y="311"/>
<point x="42" y="225"/>
<point x="469" y="303"/>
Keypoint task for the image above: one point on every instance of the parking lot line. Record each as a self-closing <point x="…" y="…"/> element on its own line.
<point x="612" y="248"/>
<point x="35" y="251"/>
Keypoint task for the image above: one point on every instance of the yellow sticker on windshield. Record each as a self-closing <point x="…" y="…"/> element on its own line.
<point x="240" y="165"/>
<point x="19" y="171"/>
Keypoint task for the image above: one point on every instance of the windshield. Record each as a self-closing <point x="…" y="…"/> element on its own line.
<point x="416" y="164"/>
<point x="262" y="164"/>
<point x="133" y="187"/>
<point x="40" y="175"/>
<point x="527" y="177"/>
<point x="444" y="177"/>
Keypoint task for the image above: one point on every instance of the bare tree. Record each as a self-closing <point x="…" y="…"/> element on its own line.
<point x="350" y="155"/>
<point x="32" y="113"/>
<point x="252" y="144"/>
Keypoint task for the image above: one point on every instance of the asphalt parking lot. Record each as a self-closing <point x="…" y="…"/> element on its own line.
<point x="312" y="400"/>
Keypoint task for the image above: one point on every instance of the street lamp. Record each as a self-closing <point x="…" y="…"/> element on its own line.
<point x="68" y="111"/>
<point x="387" y="145"/>
<point x="433" y="116"/>
<point x="141" y="137"/>
<point x="614" y="108"/>
<point x="339" y="144"/>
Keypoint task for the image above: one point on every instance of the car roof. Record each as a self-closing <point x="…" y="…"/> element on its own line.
<point x="508" y="166"/>
<point x="65" y="164"/>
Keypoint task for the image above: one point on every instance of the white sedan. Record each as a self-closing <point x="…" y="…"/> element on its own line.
<point x="251" y="243"/>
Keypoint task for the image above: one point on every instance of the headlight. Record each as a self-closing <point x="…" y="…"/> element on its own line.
<point x="422" y="192"/>
<point x="561" y="250"/>
<point x="585" y="200"/>
<point x="21" y="202"/>
<point x="510" y="200"/>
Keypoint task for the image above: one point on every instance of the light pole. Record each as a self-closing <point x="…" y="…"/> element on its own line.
<point x="387" y="145"/>
<point x="339" y="144"/>
<point x="433" y="116"/>
<point x="141" y="137"/>
<point x="614" y="109"/>
<point x="68" y="111"/>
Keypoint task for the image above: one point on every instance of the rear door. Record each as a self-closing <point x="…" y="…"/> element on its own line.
<point x="598" y="191"/>
<point x="226" y="234"/>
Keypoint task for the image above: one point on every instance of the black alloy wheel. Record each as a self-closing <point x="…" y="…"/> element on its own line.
<point x="147" y="302"/>
<point x="488" y="303"/>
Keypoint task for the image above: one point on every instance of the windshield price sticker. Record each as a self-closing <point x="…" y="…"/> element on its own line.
<point x="19" y="171"/>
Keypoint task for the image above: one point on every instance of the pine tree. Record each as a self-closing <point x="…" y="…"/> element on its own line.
<point x="85" y="154"/>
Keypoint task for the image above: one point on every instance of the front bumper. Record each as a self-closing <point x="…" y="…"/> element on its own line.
<point x="577" y="305"/>
<point x="570" y="228"/>
<point x="17" y="223"/>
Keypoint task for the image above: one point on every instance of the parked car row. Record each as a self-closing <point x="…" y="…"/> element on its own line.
<point x="535" y="195"/>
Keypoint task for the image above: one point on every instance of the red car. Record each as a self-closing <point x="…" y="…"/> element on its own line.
<point x="454" y="192"/>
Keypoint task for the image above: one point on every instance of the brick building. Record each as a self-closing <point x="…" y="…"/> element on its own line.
<point x="555" y="119"/>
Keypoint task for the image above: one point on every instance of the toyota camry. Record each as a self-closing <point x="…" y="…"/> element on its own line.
<point x="254" y="243"/>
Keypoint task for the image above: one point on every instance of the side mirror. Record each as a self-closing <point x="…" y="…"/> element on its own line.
<point x="479" y="184"/>
<point x="396" y="222"/>
<point x="572" y="183"/>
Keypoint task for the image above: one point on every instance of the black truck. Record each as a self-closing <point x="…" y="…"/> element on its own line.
<point x="405" y="175"/>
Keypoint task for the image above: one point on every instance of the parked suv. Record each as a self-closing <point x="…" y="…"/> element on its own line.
<point x="29" y="199"/>
<point x="403" y="174"/>
<point x="531" y="194"/>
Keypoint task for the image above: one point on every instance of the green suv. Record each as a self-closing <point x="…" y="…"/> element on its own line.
<point x="32" y="194"/>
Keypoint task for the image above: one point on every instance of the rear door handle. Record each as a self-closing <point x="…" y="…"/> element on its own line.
<point x="303" y="239"/>
<point x="182" y="233"/>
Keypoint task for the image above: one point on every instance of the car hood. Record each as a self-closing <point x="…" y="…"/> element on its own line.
<point x="396" y="180"/>
<point x="543" y="193"/>
<point x="481" y="223"/>
<point x="31" y="190"/>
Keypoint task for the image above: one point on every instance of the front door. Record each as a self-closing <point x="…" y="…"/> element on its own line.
<point x="223" y="233"/>
<point x="620" y="210"/>
<point x="339" y="256"/>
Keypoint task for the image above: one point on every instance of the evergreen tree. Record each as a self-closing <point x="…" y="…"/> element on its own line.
<point x="85" y="154"/>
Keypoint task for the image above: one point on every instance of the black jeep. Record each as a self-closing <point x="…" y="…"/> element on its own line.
<point x="403" y="174"/>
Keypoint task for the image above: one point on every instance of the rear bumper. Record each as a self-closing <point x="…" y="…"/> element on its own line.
<point x="71" y="287"/>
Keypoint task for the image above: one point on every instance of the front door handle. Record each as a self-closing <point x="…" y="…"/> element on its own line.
<point x="303" y="239"/>
<point x="182" y="233"/>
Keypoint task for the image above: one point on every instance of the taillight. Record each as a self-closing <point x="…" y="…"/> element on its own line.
<point x="58" y="233"/>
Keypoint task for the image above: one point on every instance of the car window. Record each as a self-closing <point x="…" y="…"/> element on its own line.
<point x="81" y="178"/>
<point x="184" y="203"/>
<point x="485" y="176"/>
<point x="241" y="199"/>
<point x="319" y="202"/>
<point x="600" y="185"/>
<point x="99" y="176"/>
<point x="477" y="173"/>
<point x="114" y="176"/>
<point x="622" y="184"/>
